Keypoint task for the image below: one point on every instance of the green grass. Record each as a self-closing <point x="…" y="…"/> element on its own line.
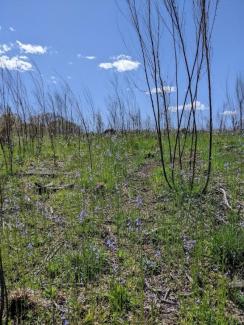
<point x="119" y="247"/>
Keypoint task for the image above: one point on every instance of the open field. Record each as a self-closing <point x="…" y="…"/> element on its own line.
<point x="122" y="162"/>
<point x="113" y="245"/>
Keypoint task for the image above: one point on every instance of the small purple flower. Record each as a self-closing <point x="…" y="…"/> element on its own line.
<point x="226" y="165"/>
<point x="242" y="224"/>
<point x="128" y="224"/>
<point x="111" y="244"/>
<point x="138" y="201"/>
<point x="30" y="246"/>
<point x="19" y="225"/>
<point x="158" y="253"/>
<point x="82" y="216"/>
<point x="64" y="320"/>
<point x="138" y="222"/>
<point x="115" y="267"/>
<point x="188" y="244"/>
<point x="122" y="281"/>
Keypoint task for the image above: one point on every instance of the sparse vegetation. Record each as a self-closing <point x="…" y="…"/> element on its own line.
<point x="118" y="246"/>
<point x="108" y="221"/>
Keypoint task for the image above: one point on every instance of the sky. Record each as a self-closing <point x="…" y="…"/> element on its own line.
<point x="90" y="42"/>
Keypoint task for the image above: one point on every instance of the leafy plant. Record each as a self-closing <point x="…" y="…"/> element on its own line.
<point x="228" y="248"/>
<point x="119" y="298"/>
<point x="206" y="305"/>
<point x="87" y="264"/>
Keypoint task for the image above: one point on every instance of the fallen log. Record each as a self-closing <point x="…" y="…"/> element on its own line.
<point x="49" y="188"/>
<point x="39" y="174"/>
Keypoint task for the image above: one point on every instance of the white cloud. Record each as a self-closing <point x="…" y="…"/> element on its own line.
<point x="121" y="57"/>
<point x="0" y="28"/>
<point x="88" y="57"/>
<point x="70" y="63"/>
<point x="23" y="57"/>
<point x="53" y="80"/>
<point x="15" y="63"/>
<point x="229" y="113"/>
<point x="166" y="89"/>
<point x="5" y="48"/>
<point x="12" y="29"/>
<point x="198" y="106"/>
<point x="126" y="65"/>
<point x="169" y="89"/>
<point x="106" y="66"/>
<point x="121" y="65"/>
<point x="32" y="49"/>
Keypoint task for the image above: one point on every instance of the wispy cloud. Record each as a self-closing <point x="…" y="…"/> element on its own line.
<point x="87" y="57"/>
<point x="31" y="48"/>
<point x="52" y="51"/>
<point x="197" y="105"/>
<point x="90" y="57"/>
<point x="229" y="113"/>
<point x="12" y="29"/>
<point x="121" y="63"/>
<point x="15" y="63"/>
<point x="165" y="89"/>
<point x="121" y="57"/>
<point x="0" y="28"/>
<point x="4" y="48"/>
<point x="53" y="80"/>
<point x="23" y="57"/>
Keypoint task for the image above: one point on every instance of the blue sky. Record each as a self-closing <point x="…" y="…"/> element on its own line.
<point x="83" y="40"/>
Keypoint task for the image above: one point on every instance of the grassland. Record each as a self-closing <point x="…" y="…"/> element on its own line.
<point x="113" y="245"/>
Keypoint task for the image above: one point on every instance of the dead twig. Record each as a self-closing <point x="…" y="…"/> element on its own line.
<point x="225" y="198"/>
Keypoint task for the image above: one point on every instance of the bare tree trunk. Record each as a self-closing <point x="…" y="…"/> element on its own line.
<point x="151" y="20"/>
<point x="240" y="100"/>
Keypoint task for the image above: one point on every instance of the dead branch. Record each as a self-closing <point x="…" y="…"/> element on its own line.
<point x="225" y="198"/>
